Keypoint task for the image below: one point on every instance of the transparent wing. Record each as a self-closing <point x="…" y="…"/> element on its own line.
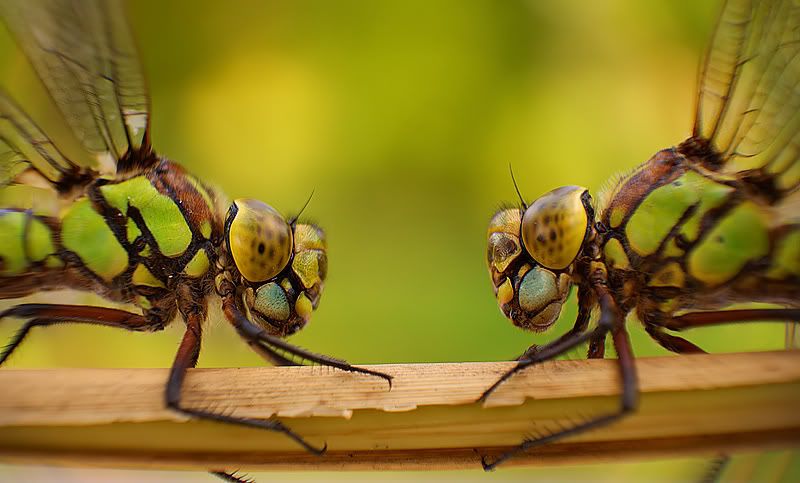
<point x="85" y="55"/>
<point x="748" y="103"/>
<point x="25" y="148"/>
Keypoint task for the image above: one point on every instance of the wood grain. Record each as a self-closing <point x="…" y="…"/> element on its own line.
<point x="699" y="404"/>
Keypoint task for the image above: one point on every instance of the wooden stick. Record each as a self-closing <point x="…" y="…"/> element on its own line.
<point x="690" y="405"/>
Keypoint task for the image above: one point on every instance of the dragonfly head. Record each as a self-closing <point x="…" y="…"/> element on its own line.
<point x="283" y="264"/>
<point x="531" y="252"/>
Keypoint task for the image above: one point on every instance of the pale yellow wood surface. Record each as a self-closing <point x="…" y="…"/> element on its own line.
<point x="700" y="404"/>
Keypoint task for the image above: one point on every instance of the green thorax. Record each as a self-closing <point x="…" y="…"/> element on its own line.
<point x="678" y="230"/>
<point x="140" y="231"/>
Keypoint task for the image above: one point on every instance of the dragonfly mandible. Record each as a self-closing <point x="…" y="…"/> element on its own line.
<point x="709" y="223"/>
<point x="135" y="227"/>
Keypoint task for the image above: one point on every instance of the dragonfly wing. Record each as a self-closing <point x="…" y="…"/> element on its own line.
<point x="26" y="151"/>
<point x="748" y="103"/>
<point x="85" y="55"/>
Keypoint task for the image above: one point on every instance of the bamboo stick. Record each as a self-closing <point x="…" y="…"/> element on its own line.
<point x="690" y="405"/>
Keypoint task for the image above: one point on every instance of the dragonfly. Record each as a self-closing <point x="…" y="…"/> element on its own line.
<point x="133" y="226"/>
<point x="680" y="239"/>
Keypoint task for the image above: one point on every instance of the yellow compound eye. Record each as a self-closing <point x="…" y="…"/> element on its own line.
<point x="259" y="239"/>
<point x="554" y="226"/>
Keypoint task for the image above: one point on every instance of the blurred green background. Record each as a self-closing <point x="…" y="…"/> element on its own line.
<point x="403" y="117"/>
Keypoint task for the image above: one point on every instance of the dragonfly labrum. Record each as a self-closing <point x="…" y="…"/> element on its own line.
<point x="682" y="239"/>
<point x="132" y="225"/>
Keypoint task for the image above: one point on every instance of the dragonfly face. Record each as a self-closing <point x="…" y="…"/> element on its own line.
<point x="282" y="264"/>
<point x="530" y="255"/>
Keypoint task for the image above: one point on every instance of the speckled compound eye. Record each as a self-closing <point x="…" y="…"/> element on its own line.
<point x="259" y="239"/>
<point x="541" y="295"/>
<point x="271" y="302"/>
<point x="554" y="226"/>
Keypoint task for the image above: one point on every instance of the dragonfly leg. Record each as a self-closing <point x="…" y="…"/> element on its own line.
<point x="185" y="358"/>
<point x="791" y="335"/>
<point x="715" y="469"/>
<point x="609" y="317"/>
<point x="232" y="476"/>
<point x="704" y="319"/>
<point x="272" y="347"/>
<point x="42" y="315"/>
<point x="585" y="302"/>
<point x="628" y="402"/>
<point x="671" y="342"/>
<point x="597" y="347"/>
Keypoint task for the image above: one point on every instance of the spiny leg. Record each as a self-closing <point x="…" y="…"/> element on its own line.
<point x="543" y="355"/>
<point x="272" y="355"/>
<point x="267" y="345"/>
<point x="42" y="315"/>
<point x="185" y="358"/>
<point x="629" y="398"/>
<point x="585" y="301"/>
<point x="232" y="477"/>
<point x="715" y="469"/>
<point x="608" y="316"/>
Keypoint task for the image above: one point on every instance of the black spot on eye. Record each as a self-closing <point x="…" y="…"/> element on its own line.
<point x="271" y="253"/>
<point x="553" y="235"/>
<point x="261" y="248"/>
<point x="546" y="219"/>
<point x="541" y="238"/>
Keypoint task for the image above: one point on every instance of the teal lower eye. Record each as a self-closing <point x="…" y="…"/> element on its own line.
<point x="271" y="302"/>
<point x="537" y="290"/>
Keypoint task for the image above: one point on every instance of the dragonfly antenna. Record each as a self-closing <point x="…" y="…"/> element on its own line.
<point x="513" y="180"/>
<point x="294" y="218"/>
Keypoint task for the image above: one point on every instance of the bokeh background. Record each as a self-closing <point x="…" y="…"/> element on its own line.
<point x="403" y="117"/>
